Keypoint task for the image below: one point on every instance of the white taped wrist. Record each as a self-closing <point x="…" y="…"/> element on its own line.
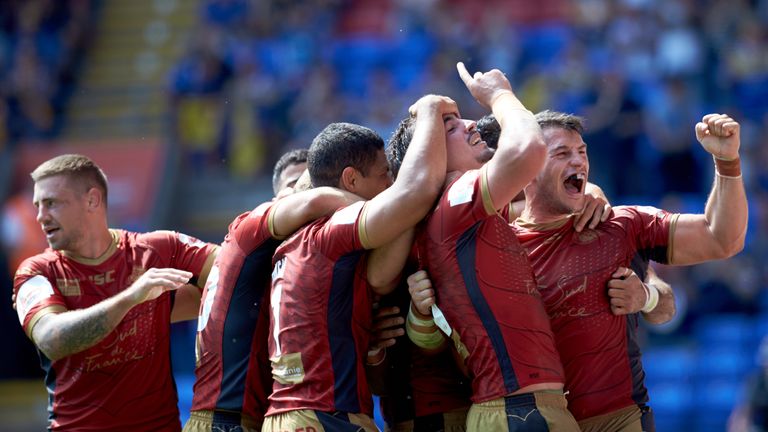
<point x="651" y="299"/>
<point x="419" y="321"/>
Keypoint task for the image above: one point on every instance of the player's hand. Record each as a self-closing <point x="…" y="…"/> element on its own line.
<point x="719" y="135"/>
<point x="155" y="282"/>
<point x="596" y="208"/>
<point x="433" y="105"/>
<point x="484" y="87"/>
<point x="303" y="183"/>
<point x="288" y="190"/>
<point x="626" y="292"/>
<point x="388" y="325"/>
<point x="13" y="300"/>
<point x="422" y="294"/>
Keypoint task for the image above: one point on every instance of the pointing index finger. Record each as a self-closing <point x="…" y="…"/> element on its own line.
<point x="463" y="73"/>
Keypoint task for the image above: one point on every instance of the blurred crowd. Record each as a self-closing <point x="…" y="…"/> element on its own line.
<point x="41" y="42"/>
<point x="262" y="77"/>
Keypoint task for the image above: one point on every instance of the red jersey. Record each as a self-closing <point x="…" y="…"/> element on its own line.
<point x="599" y="349"/>
<point x="232" y="370"/>
<point x="320" y="318"/>
<point x="124" y="382"/>
<point x="486" y="289"/>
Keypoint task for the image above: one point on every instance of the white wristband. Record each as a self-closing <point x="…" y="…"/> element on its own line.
<point x="651" y="299"/>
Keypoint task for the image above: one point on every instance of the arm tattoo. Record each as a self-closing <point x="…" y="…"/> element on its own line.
<point x="74" y="331"/>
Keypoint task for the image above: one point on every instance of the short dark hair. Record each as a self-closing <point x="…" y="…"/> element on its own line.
<point x="398" y="144"/>
<point x="489" y="129"/>
<point x="560" y="120"/>
<point x="292" y="157"/>
<point x="78" y="168"/>
<point x="338" y="146"/>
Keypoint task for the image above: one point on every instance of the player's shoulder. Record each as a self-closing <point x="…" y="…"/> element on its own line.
<point x="160" y="239"/>
<point x="461" y="189"/>
<point x="38" y="264"/>
<point x="257" y="215"/>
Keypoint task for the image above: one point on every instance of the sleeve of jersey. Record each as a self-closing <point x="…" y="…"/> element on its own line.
<point x="344" y="232"/>
<point x="653" y="230"/>
<point x="255" y="227"/>
<point x="36" y="296"/>
<point x="185" y="252"/>
<point x="465" y="201"/>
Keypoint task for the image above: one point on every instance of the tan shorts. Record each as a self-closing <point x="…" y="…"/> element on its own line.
<point x="529" y="412"/>
<point x="451" y="421"/>
<point x="318" y="421"/>
<point x="623" y="420"/>
<point x="220" y="421"/>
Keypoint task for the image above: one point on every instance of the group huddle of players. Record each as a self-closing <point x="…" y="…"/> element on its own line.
<point x="474" y="281"/>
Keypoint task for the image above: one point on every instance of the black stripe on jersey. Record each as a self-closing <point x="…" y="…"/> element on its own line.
<point x="50" y="384"/>
<point x="466" y="253"/>
<point x="340" y="337"/>
<point x="241" y="322"/>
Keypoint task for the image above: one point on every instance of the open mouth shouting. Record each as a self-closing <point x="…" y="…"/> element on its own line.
<point x="574" y="183"/>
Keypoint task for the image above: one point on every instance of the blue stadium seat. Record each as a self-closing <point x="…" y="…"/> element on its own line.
<point x="724" y="362"/>
<point x="184" y="383"/>
<point x="665" y="364"/>
<point x="715" y="400"/>
<point x="671" y="399"/>
<point x="725" y="329"/>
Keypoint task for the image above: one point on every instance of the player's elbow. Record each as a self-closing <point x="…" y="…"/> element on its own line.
<point x="421" y="196"/>
<point x="49" y="348"/>
<point x="661" y="318"/>
<point x="736" y="247"/>
<point x="382" y="285"/>
<point x="727" y="249"/>
<point x="46" y="338"/>
<point x="528" y="155"/>
<point x="536" y="153"/>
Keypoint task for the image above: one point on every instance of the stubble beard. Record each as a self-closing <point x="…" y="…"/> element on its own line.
<point x="553" y="204"/>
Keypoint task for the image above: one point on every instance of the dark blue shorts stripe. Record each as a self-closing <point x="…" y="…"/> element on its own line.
<point x="523" y="415"/>
<point x="337" y="422"/>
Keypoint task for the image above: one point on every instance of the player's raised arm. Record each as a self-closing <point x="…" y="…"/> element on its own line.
<point x="721" y="230"/>
<point x="419" y="179"/>
<point x="521" y="149"/>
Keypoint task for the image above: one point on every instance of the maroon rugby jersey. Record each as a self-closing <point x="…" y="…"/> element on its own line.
<point x="320" y="317"/>
<point x="124" y="382"/>
<point x="599" y="350"/>
<point x="233" y="372"/>
<point x="486" y="289"/>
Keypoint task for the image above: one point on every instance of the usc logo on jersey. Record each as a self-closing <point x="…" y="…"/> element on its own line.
<point x="104" y="278"/>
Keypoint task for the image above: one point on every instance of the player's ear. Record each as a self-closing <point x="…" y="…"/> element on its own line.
<point x="348" y="180"/>
<point x="94" y="198"/>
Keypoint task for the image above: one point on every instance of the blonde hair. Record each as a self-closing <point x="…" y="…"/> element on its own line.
<point x="82" y="170"/>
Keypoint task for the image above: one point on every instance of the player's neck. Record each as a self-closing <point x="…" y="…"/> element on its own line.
<point x="540" y="215"/>
<point x="450" y="176"/>
<point x="95" y="246"/>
